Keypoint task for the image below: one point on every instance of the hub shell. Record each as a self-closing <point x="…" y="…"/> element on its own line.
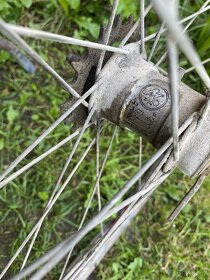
<point x="133" y="94"/>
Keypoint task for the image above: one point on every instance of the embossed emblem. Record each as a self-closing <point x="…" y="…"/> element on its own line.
<point x="153" y="97"/>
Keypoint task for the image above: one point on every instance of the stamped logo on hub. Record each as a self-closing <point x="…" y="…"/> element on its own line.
<point x="153" y="97"/>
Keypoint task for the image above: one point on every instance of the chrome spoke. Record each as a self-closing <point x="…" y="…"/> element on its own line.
<point x="86" y="124"/>
<point x="55" y="195"/>
<point x="135" y="197"/>
<point x="152" y="36"/>
<point x="98" y="70"/>
<point x="98" y="170"/>
<point x="37" y="226"/>
<point x="157" y="39"/>
<point x="99" y="176"/>
<point x="73" y="240"/>
<point x="110" y="237"/>
<point x="95" y="254"/>
<point x="65" y="265"/>
<point x="41" y="261"/>
<point x="26" y="48"/>
<point x="120" y="224"/>
<point x="46" y="132"/>
<point x="187" y="198"/>
<point x="135" y="26"/>
<point x="95" y="188"/>
<point x="31" y="246"/>
<point x="174" y="81"/>
<point x="39" y="34"/>
<point x="194" y="15"/>
<point x="142" y="31"/>
<point x="140" y="156"/>
<point x="193" y="68"/>
<point x="177" y="33"/>
<point x="192" y="19"/>
<point x="81" y="133"/>
<point x="38" y="159"/>
<point x="107" y="36"/>
<point x="163" y="57"/>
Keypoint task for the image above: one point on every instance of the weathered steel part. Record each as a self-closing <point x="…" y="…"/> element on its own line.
<point x="85" y="67"/>
<point x="136" y="96"/>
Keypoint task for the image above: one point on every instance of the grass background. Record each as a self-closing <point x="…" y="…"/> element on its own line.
<point x="150" y="248"/>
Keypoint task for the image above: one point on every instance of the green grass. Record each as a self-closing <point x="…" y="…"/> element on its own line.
<point x="151" y="248"/>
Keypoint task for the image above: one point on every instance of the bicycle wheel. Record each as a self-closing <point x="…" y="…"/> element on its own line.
<point x="118" y="85"/>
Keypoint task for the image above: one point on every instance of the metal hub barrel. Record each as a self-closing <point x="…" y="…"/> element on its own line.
<point x="134" y="95"/>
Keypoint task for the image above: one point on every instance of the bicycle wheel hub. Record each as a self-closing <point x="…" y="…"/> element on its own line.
<point x="134" y="95"/>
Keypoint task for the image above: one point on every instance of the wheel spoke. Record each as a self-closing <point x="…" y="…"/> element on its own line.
<point x="39" y="34"/>
<point x="187" y="198"/>
<point x="38" y="159"/>
<point x="98" y="170"/>
<point x="26" y="48"/>
<point x="157" y="39"/>
<point x="54" y="250"/>
<point x="140" y="156"/>
<point x="98" y="70"/>
<point x="152" y="36"/>
<point x="193" y="68"/>
<point x="118" y="226"/>
<point x="37" y="226"/>
<point x="135" y="26"/>
<point x="185" y="29"/>
<point x="177" y="33"/>
<point x="99" y="176"/>
<point x="65" y="265"/>
<point x="135" y="197"/>
<point x="107" y="36"/>
<point x="174" y="82"/>
<point x="95" y="254"/>
<point x="95" y="188"/>
<point x="163" y="57"/>
<point x="142" y="31"/>
<point x="40" y="261"/>
<point x="86" y="124"/>
<point x="73" y="240"/>
<point x="46" y="132"/>
<point x="81" y="133"/>
<point x="194" y="15"/>
<point x="193" y="19"/>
